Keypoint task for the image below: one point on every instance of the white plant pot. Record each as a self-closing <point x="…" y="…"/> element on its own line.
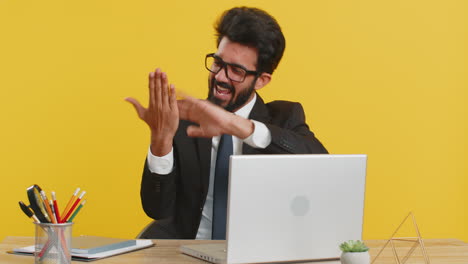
<point x="355" y="258"/>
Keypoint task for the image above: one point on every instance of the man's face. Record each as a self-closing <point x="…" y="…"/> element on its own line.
<point x="224" y="92"/>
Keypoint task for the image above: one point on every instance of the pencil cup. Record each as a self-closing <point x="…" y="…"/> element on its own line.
<point x="53" y="243"/>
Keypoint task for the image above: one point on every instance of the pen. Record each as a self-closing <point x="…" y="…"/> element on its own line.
<point x="47" y="206"/>
<point x="65" y="218"/>
<point x="69" y="204"/>
<point x="55" y="207"/>
<point x="76" y="211"/>
<point x="53" y="211"/>
<point x="27" y="211"/>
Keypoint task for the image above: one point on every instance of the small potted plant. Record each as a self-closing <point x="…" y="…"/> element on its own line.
<point x="354" y="252"/>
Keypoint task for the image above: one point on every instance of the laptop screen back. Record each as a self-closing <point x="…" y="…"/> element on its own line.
<point x="293" y="207"/>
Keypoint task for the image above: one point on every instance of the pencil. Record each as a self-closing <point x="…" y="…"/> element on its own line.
<point x="47" y="206"/>
<point x="76" y="211"/>
<point x="56" y="207"/>
<point x="70" y="203"/>
<point x="65" y="218"/>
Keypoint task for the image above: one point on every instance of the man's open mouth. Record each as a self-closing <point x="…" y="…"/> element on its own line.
<point x="221" y="90"/>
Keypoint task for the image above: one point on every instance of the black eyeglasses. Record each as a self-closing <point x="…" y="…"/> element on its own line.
<point x="234" y="72"/>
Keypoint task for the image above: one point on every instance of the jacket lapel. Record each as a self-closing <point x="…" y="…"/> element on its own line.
<point x="259" y="113"/>
<point x="204" y="154"/>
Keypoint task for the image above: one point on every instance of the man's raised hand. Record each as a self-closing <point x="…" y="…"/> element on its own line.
<point x="212" y="120"/>
<point x="162" y="114"/>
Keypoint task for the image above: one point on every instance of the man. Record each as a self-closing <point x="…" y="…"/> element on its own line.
<point x="184" y="182"/>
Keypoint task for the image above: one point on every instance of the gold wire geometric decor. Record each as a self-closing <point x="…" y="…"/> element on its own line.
<point x="415" y="242"/>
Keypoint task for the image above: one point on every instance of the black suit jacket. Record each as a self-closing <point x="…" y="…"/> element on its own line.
<point x="177" y="199"/>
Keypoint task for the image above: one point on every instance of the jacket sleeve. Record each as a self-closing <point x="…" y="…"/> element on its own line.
<point x="158" y="193"/>
<point x="289" y="132"/>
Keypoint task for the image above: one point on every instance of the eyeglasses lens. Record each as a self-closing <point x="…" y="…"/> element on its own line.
<point x="234" y="73"/>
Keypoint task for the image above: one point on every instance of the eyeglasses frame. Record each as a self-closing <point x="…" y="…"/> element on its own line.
<point x="224" y="66"/>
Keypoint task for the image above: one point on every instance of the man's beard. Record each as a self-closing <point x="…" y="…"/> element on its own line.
<point x="236" y="101"/>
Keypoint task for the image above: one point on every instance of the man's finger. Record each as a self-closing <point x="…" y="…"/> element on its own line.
<point x="189" y="110"/>
<point x="157" y="88"/>
<point x="184" y="107"/>
<point x="138" y="107"/>
<point x="152" y="101"/>
<point x="196" y="131"/>
<point x="173" y="98"/>
<point x="164" y="90"/>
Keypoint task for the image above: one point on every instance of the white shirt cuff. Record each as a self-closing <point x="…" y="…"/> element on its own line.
<point x="260" y="138"/>
<point x="160" y="165"/>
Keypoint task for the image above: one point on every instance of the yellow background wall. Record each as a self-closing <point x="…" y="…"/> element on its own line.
<point x="385" y="78"/>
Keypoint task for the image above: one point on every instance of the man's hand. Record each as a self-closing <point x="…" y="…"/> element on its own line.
<point x="212" y="119"/>
<point x="162" y="114"/>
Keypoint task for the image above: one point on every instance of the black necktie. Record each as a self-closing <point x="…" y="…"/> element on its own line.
<point x="221" y="187"/>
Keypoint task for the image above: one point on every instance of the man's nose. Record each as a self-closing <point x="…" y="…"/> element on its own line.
<point x="221" y="76"/>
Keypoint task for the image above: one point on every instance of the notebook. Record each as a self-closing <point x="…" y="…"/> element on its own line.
<point x="94" y="244"/>
<point x="89" y="248"/>
<point x="289" y="208"/>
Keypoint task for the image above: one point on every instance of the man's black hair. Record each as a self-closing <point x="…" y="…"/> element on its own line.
<point x="256" y="28"/>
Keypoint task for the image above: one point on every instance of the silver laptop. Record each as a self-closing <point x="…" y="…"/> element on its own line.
<point x="289" y="208"/>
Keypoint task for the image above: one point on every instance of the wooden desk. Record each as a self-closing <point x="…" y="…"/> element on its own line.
<point x="441" y="251"/>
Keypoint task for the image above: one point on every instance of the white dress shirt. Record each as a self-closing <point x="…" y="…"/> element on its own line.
<point x="260" y="138"/>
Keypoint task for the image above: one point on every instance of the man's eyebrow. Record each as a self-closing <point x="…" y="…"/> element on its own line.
<point x="229" y="63"/>
<point x="237" y="65"/>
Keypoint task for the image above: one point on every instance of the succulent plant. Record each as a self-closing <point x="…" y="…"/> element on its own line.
<point x="353" y="246"/>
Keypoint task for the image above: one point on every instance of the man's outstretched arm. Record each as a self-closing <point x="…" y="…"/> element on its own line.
<point x="158" y="191"/>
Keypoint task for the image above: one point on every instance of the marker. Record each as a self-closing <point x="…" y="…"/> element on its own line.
<point x="73" y="207"/>
<point x="76" y="211"/>
<point x="47" y="206"/>
<point x="28" y="212"/>
<point x="55" y="207"/>
<point x="69" y="204"/>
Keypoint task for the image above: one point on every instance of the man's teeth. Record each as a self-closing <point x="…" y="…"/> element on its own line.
<point x="222" y="90"/>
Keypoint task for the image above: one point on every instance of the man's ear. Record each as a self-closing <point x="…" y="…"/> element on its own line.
<point x="262" y="80"/>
